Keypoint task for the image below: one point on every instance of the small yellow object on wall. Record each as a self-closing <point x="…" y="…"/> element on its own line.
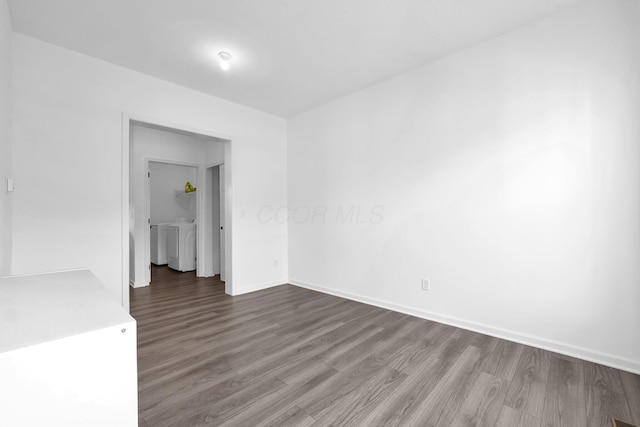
<point x="188" y="188"/>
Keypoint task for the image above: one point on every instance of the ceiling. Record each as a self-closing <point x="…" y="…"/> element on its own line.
<point x="289" y="56"/>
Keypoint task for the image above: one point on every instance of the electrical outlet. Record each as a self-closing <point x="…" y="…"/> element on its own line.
<point x="426" y="285"/>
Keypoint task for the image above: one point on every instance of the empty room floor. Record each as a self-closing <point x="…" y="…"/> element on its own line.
<point x="291" y="356"/>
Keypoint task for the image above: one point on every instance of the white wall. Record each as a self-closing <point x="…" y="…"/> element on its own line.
<point x="5" y="138"/>
<point x="168" y="199"/>
<point x="508" y="174"/>
<point x="68" y="164"/>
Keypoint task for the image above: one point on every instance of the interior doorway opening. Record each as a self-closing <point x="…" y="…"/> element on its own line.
<point x="149" y="144"/>
<point x="213" y="222"/>
<point x="171" y="206"/>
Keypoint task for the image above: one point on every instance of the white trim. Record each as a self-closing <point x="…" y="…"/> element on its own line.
<point x="140" y="284"/>
<point x="178" y="126"/>
<point x="229" y="176"/>
<point x="258" y="287"/>
<point x="545" y="344"/>
<point x="124" y="265"/>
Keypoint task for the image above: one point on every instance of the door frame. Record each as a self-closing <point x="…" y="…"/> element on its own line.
<point x="147" y="207"/>
<point x="127" y="120"/>
<point x="203" y="214"/>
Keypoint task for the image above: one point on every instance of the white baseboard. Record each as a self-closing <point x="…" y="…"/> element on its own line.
<point x="140" y="284"/>
<point x="554" y="346"/>
<point x="257" y="287"/>
<point x="210" y="273"/>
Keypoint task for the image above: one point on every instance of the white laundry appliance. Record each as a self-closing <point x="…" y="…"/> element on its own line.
<point x="159" y="244"/>
<point x="181" y="246"/>
<point x="158" y="240"/>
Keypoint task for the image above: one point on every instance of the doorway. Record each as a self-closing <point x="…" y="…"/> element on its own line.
<point x="170" y="209"/>
<point x="215" y="151"/>
<point x="213" y="222"/>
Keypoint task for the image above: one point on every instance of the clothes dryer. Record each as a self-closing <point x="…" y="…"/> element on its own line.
<point x="181" y="246"/>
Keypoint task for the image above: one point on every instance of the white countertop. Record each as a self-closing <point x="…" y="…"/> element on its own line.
<point x="38" y="308"/>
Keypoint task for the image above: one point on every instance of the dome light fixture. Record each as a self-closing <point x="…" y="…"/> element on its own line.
<point x="225" y="59"/>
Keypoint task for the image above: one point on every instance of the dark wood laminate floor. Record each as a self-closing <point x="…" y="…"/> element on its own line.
<point x="288" y="356"/>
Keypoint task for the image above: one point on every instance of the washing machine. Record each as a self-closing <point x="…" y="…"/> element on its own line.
<point x="158" y="240"/>
<point x="181" y="246"/>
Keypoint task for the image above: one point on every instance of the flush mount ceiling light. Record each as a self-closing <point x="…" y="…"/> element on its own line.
<point x="225" y="58"/>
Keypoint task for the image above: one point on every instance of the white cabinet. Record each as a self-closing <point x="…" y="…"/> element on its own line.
<point x="67" y="353"/>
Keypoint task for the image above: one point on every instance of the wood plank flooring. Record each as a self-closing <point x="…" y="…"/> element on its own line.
<point x="288" y="356"/>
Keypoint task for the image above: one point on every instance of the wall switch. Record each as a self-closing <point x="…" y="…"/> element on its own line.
<point x="426" y="285"/>
<point x="9" y="185"/>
